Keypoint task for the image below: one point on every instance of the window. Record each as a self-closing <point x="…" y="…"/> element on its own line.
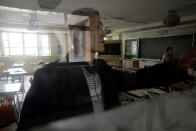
<point x="15" y="44"/>
<point x="5" y="42"/>
<point x="44" y="45"/>
<point x="30" y="45"/>
<point x="27" y="44"/>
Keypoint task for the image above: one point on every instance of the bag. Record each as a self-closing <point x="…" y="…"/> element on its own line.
<point x="7" y="114"/>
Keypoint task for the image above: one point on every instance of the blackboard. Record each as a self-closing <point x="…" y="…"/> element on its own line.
<point x="154" y="48"/>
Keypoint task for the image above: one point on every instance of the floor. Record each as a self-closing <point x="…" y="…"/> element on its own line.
<point x="27" y="85"/>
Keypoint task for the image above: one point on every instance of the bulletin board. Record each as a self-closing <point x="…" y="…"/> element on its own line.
<point x="131" y="48"/>
<point x="60" y="50"/>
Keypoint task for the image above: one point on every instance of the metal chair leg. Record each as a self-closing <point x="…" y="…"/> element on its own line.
<point x="18" y="103"/>
<point x="16" y="108"/>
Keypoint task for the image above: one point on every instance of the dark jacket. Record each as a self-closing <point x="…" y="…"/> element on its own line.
<point x="59" y="90"/>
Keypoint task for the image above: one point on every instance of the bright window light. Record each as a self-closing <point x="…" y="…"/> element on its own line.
<point x="27" y="44"/>
<point x="30" y="40"/>
<point x="44" y="44"/>
<point x="31" y="44"/>
<point x="16" y="51"/>
<point x="15" y="40"/>
<point x="6" y="51"/>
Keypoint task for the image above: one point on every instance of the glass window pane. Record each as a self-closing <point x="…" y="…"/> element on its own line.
<point x="15" y="39"/>
<point x="44" y="37"/>
<point x="5" y="36"/>
<point x="6" y="51"/>
<point x="44" y="41"/>
<point x="45" y="52"/>
<point x="16" y="51"/>
<point x="30" y="40"/>
<point x="5" y="43"/>
<point x="31" y="51"/>
<point x="45" y="44"/>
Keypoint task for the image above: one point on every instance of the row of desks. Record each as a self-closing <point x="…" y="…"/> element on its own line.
<point x="11" y="89"/>
<point x="15" y="86"/>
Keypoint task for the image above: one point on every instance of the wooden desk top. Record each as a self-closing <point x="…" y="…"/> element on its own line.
<point x="143" y="92"/>
<point x="9" y="89"/>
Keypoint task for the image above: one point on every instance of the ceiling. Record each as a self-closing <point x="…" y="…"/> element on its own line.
<point x="115" y="14"/>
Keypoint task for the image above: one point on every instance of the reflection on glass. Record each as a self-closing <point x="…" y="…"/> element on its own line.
<point x="80" y="38"/>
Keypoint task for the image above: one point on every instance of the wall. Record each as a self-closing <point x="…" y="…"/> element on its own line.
<point x="161" y="32"/>
<point x="55" y="40"/>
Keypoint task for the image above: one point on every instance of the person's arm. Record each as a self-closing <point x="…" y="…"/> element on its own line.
<point x="164" y="58"/>
<point x="158" y="75"/>
<point x="155" y="76"/>
<point x="152" y="77"/>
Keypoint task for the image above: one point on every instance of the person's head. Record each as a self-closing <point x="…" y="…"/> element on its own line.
<point x="86" y="32"/>
<point x="169" y="50"/>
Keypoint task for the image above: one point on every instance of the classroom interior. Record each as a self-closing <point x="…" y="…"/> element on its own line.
<point x="138" y="33"/>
